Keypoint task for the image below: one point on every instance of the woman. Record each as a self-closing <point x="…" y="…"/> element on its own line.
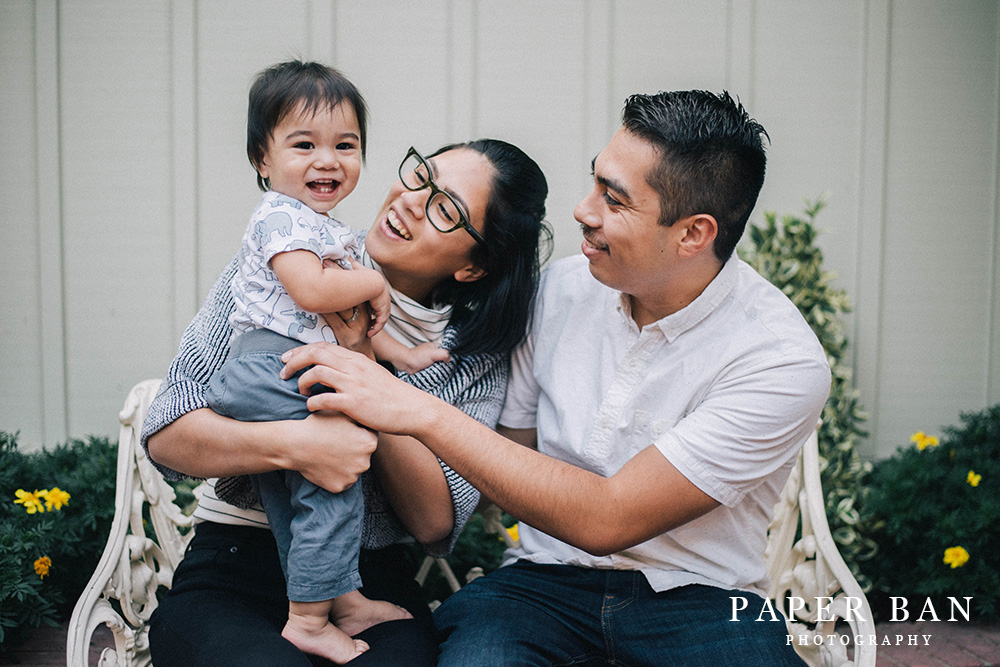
<point x="457" y="239"/>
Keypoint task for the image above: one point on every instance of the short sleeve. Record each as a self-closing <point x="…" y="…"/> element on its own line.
<point x="520" y="409"/>
<point x="749" y="424"/>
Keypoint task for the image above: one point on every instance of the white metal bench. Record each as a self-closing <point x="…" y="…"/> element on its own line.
<point x="802" y="560"/>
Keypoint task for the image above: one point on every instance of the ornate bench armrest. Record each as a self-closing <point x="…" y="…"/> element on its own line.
<point x="809" y="575"/>
<point x="122" y="591"/>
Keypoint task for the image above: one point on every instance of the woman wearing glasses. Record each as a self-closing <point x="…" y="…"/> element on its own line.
<point x="457" y="240"/>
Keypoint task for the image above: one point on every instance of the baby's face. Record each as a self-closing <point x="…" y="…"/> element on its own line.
<point x="315" y="157"/>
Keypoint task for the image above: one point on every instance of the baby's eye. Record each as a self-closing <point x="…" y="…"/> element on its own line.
<point x="305" y="145"/>
<point x="346" y="146"/>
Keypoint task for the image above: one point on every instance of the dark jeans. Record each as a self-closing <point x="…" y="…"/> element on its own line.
<point x="228" y="605"/>
<point x="529" y="614"/>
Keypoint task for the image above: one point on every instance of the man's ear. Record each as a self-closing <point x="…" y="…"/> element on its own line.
<point x="699" y="234"/>
<point x="470" y="273"/>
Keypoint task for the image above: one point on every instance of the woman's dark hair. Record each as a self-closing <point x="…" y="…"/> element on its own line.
<point x="492" y="314"/>
<point x="280" y="89"/>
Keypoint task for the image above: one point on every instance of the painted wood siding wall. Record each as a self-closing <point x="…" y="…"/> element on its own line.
<point x="122" y="143"/>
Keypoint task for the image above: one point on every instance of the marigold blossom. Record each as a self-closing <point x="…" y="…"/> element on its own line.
<point x="32" y="501"/>
<point x="923" y="441"/>
<point x="973" y="479"/>
<point x="55" y="498"/>
<point x="956" y="556"/>
<point x="42" y="566"/>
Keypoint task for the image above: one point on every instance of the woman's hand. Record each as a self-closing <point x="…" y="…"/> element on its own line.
<point x="363" y="390"/>
<point x="332" y="450"/>
<point x="351" y="329"/>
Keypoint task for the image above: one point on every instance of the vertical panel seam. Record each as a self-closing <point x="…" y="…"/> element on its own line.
<point x="475" y="69"/>
<point x="752" y="70"/>
<point x="883" y="206"/>
<point x="184" y="166"/>
<point x="872" y="321"/>
<point x="449" y="57"/>
<point x="993" y="345"/>
<point x="52" y="288"/>
<point x="614" y="106"/>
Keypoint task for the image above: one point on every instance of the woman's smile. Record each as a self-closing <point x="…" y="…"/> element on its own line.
<point x="397" y="226"/>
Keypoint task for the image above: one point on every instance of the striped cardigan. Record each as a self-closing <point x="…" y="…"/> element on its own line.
<point x="476" y="384"/>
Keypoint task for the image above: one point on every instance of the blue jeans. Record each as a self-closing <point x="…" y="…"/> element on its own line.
<point x="318" y="532"/>
<point x="531" y="614"/>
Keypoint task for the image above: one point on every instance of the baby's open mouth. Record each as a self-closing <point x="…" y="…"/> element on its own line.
<point x="324" y="187"/>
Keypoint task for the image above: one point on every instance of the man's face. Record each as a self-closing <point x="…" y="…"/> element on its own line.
<point x="627" y="248"/>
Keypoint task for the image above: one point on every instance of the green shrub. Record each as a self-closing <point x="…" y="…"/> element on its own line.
<point x="927" y="503"/>
<point x="26" y="599"/>
<point x="72" y="536"/>
<point x="786" y="254"/>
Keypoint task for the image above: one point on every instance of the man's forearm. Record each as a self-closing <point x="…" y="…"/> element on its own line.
<point x="551" y="495"/>
<point x="647" y="497"/>
<point x="600" y="515"/>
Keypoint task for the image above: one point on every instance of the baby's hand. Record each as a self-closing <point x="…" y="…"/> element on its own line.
<point x="379" y="305"/>
<point x="420" y="357"/>
<point x="380" y="311"/>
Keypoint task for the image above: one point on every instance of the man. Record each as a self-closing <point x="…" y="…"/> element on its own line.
<point x="666" y="387"/>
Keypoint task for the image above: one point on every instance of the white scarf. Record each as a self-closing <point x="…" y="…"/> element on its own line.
<point x="410" y="322"/>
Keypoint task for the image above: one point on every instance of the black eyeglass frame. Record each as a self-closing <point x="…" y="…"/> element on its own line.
<point x="463" y="222"/>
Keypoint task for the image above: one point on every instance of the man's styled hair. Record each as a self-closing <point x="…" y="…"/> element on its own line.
<point x="281" y="89"/>
<point x="712" y="158"/>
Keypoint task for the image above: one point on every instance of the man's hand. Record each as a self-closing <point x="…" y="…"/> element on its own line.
<point x="363" y="390"/>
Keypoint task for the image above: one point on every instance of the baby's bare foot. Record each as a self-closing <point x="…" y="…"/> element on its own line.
<point x="325" y="640"/>
<point x="354" y="613"/>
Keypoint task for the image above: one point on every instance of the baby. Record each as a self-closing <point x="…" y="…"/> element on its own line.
<point x="306" y="134"/>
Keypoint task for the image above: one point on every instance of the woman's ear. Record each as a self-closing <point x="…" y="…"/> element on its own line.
<point x="470" y="273"/>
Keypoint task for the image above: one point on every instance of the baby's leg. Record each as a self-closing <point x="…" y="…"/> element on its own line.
<point x="353" y="612"/>
<point x="310" y="629"/>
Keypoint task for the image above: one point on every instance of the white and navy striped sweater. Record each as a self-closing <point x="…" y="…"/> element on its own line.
<point x="475" y="384"/>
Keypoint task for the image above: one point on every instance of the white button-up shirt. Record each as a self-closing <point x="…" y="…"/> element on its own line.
<point x="727" y="389"/>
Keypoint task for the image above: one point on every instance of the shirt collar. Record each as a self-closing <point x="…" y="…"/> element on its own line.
<point x="686" y="318"/>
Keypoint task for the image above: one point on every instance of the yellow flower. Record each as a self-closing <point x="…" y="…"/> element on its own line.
<point x="32" y="501"/>
<point x="42" y="566"/>
<point x="923" y="441"/>
<point x="512" y="531"/>
<point x="55" y="498"/>
<point x="973" y="479"/>
<point x="956" y="556"/>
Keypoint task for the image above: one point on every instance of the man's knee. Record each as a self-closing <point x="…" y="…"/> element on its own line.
<point x="501" y="620"/>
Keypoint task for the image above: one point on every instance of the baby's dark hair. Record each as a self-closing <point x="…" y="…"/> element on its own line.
<point x="282" y="88"/>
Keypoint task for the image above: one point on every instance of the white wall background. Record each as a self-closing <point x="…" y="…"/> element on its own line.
<point x="122" y="149"/>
